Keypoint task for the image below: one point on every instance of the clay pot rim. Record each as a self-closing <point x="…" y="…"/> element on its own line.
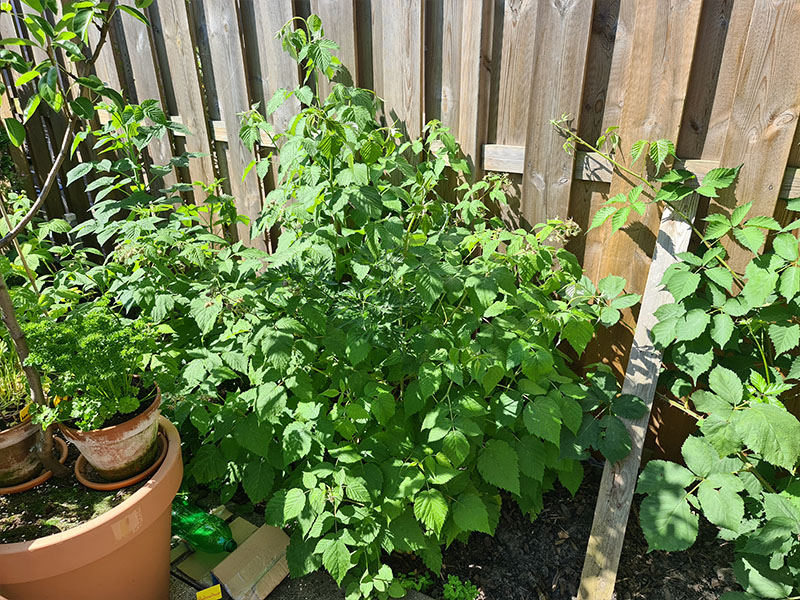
<point x="41" y="477"/>
<point x="162" y="475"/>
<point x="161" y="440"/>
<point x="24" y="422"/>
<point x="72" y="432"/>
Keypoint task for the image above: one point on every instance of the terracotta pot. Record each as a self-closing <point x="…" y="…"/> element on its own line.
<point x="18" y="460"/>
<point x="123" y="450"/>
<point x="122" y="554"/>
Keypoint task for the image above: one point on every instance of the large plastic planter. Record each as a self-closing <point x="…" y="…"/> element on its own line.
<point x="121" y="555"/>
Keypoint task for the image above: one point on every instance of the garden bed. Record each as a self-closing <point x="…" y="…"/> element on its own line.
<point x="55" y="506"/>
<point x="543" y="560"/>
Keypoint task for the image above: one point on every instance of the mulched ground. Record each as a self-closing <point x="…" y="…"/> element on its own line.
<point x="543" y="560"/>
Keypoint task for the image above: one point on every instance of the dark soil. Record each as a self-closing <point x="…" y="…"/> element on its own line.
<point x="54" y="506"/>
<point x="543" y="560"/>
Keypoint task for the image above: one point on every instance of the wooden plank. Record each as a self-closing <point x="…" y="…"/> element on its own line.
<point x="664" y="39"/>
<point x="726" y="82"/>
<point x="270" y="67"/>
<point x="619" y="479"/>
<point x="764" y="114"/>
<point x="475" y="79"/>
<point x="402" y="40"/>
<point x="620" y="62"/>
<point x="230" y="89"/>
<point x="443" y="47"/>
<point x="140" y="63"/>
<point x="703" y="92"/>
<point x="339" y="23"/>
<point x="376" y="13"/>
<point x="514" y="85"/>
<point x="178" y="64"/>
<point x="599" y="60"/>
<point x="559" y="61"/>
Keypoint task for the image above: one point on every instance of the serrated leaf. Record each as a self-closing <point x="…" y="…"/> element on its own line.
<point x="470" y="514"/>
<point x="296" y="442"/>
<point x="726" y="384"/>
<point x="611" y="286"/>
<point x="771" y="431"/>
<point x="667" y="520"/>
<point x="721" y="329"/>
<point x="257" y="480"/>
<point x="754" y="574"/>
<point x="430" y="379"/>
<point x="660" y="151"/>
<point x="431" y="509"/>
<point x="790" y="282"/>
<point x="336" y="560"/>
<point x="764" y="223"/>
<point x="205" y="311"/>
<point x="683" y="283"/>
<point x="542" y="418"/>
<point x="284" y="506"/>
<point x="602" y="215"/>
<point x="700" y="456"/>
<point x="723" y="506"/>
<point x="498" y="464"/>
<point x="739" y="213"/>
<point x="692" y="325"/>
<point x="784" y="337"/>
<point x="615" y="442"/>
<point x="659" y="474"/>
<point x="456" y="447"/>
<point x="751" y="238"/>
<point x="785" y="245"/>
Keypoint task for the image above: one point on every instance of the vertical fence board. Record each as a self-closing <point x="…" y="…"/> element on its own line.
<point x="401" y="27"/>
<point x="705" y="136"/>
<point x="178" y="66"/>
<point x="514" y="93"/>
<point x="620" y="61"/>
<point x="222" y="28"/>
<point x="443" y="50"/>
<point x="764" y="113"/>
<point x="270" y="67"/>
<point x="475" y="79"/>
<point x="559" y="60"/>
<point x="139" y="61"/>
<point x="339" y="22"/>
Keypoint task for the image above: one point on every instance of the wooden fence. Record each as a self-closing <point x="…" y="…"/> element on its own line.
<point x="719" y="77"/>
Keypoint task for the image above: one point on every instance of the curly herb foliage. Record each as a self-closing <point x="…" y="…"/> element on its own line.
<point x="730" y="343"/>
<point x="455" y="589"/>
<point x="395" y="365"/>
<point x="93" y="358"/>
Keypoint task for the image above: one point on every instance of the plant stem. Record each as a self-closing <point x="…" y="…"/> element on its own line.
<point x="17" y="247"/>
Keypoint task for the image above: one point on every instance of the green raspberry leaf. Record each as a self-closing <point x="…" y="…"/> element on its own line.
<point x="431" y="509"/>
<point x="498" y="464"/>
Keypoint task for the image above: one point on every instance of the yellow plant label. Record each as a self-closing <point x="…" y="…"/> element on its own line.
<point x="57" y="400"/>
<point x="212" y="593"/>
<point x="23" y="414"/>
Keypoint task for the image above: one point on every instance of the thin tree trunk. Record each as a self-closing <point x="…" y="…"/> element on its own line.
<point x="44" y="447"/>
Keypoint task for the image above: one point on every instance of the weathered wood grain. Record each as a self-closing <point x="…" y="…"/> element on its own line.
<point x="475" y="78"/>
<point x="764" y="115"/>
<point x="514" y="94"/>
<point x="402" y="46"/>
<point x="559" y="62"/>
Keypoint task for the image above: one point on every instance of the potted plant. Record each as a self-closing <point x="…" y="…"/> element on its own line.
<point x="18" y="435"/>
<point x="108" y="403"/>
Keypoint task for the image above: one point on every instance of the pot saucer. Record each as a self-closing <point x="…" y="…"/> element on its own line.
<point x="82" y="470"/>
<point x="42" y="477"/>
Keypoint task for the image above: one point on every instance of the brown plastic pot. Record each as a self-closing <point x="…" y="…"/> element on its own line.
<point x="121" y="555"/>
<point x="123" y="450"/>
<point x="18" y="459"/>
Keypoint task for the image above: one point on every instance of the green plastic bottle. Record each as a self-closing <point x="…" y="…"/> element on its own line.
<point x="202" y="531"/>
